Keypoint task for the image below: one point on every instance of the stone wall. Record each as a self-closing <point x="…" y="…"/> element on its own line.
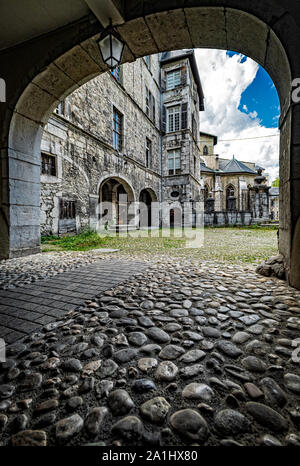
<point x="227" y="218"/>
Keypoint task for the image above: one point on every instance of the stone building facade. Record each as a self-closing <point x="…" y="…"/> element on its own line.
<point x="235" y="192"/>
<point x="133" y="132"/>
<point x="134" y="135"/>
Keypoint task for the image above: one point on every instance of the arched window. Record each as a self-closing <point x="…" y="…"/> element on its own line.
<point x="205" y="150"/>
<point x="206" y="191"/>
<point x="230" y="194"/>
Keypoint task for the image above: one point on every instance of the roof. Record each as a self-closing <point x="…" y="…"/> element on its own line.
<point x="204" y="168"/>
<point x="274" y="191"/>
<point x="168" y="57"/>
<point x="235" y="166"/>
<point x="210" y="135"/>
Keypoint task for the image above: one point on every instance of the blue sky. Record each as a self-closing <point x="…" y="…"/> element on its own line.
<point x="260" y="97"/>
<point x="241" y="108"/>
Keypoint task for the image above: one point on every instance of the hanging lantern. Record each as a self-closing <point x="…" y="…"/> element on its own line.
<point x="111" y="47"/>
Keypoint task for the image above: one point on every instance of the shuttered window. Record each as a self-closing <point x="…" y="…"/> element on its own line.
<point x="173" y="79"/>
<point x="150" y="105"/>
<point x="173" y="121"/>
<point x="184" y="116"/>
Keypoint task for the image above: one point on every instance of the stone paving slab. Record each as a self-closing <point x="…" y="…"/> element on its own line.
<point x="27" y="309"/>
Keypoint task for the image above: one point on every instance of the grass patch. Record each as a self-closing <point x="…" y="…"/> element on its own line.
<point x="231" y="245"/>
<point x="91" y="240"/>
<point x="83" y="242"/>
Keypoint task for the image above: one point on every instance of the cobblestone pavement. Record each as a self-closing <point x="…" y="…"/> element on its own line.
<point x="22" y="271"/>
<point x="183" y="353"/>
<point x="26" y="309"/>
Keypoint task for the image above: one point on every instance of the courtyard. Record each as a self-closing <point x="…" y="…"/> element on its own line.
<point x="180" y="347"/>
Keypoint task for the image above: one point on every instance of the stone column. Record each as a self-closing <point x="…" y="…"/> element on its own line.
<point x="218" y="195"/>
<point x="259" y="199"/>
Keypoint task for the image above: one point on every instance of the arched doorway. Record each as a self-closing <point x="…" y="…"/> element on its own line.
<point x="147" y="196"/>
<point x="266" y="31"/>
<point x="115" y="198"/>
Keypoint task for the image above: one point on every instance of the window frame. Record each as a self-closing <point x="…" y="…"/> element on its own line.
<point x="53" y="170"/>
<point x="116" y="73"/>
<point x="67" y="209"/>
<point x="173" y="156"/>
<point x="174" y="122"/>
<point x="148" y="161"/>
<point x="150" y="104"/>
<point x="117" y="134"/>
<point x="174" y="84"/>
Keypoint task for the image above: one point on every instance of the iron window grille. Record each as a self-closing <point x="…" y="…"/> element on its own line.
<point x="48" y="164"/>
<point x="67" y="209"/>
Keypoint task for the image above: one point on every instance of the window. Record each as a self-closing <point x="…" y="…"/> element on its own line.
<point x="194" y="127"/>
<point x="153" y="110"/>
<point x="173" y="119"/>
<point x="116" y="73"/>
<point x="150" y="105"/>
<point x="148" y="61"/>
<point x="206" y="192"/>
<point x="230" y="199"/>
<point x="117" y="130"/>
<point x="60" y="109"/>
<point x="205" y="150"/>
<point x="148" y="152"/>
<point x="148" y="93"/>
<point x="174" y="162"/>
<point x="48" y="165"/>
<point x="173" y="79"/>
<point x="67" y="209"/>
<point x="195" y="165"/>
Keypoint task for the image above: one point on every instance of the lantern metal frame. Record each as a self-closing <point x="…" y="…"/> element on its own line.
<point x="111" y="32"/>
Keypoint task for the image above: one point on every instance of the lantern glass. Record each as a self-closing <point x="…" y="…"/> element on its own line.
<point x="111" y="49"/>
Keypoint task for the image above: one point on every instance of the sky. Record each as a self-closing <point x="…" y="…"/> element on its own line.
<point x="241" y="102"/>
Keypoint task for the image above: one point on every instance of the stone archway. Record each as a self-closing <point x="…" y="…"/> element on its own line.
<point x="264" y="30"/>
<point x="115" y="199"/>
<point x="147" y="196"/>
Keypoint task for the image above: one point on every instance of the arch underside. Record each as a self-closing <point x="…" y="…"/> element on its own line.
<point x="215" y="26"/>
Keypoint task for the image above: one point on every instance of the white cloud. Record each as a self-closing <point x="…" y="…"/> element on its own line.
<point x="253" y="114"/>
<point x="224" y="79"/>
